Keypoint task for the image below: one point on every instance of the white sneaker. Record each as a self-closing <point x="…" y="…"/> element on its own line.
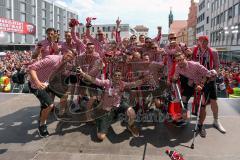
<point x="218" y="126"/>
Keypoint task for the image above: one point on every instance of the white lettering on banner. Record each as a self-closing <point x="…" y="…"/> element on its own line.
<point x="8" y="25"/>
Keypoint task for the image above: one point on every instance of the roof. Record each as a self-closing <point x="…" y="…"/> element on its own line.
<point x="141" y="28"/>
<point x="178" y="25"/>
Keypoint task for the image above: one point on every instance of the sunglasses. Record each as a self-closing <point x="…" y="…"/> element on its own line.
<point x="173" y="38"/>
<point x="179" y="60"/>
<point x="117" y="75"/>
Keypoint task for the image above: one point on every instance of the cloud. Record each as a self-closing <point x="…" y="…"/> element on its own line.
<point x="151" y="13"/>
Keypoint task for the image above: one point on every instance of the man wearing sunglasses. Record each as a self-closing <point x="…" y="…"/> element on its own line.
<point x="208" y="57"/>
<point x="99" y="42"/>
<point x="198" y="77"/>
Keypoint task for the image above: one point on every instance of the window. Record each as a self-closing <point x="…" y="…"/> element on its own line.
<point x="8" y="13"/>
<point x="43" y="13"/>
<point x="58" y="11"/>
<point x="233" y="11"/>
<point x="43" y="31"/>
<point x="33" y="10"/>
<point x="33" y="2"/>
<point x="236" y="9"/>
<point x="103" y="29"/>
<point x="239" y="9"/>
<point x="33" y="19"/>
<point x="22" y="7"/>
<point x="51" y="8"/>
<point x="92" y="29"/>
<point x="51" y="15"/>
<point x="23" y="39"/>
<point x="8" y="4"/>
<point x="229" y="13"/>
<point x="43" y="22"/>
<point x="23" y="17"/>
<point x="43" y="5"/>
<point x="207" y="19"/>
<point x="108" y="29"/>
<point x="58" y="18"/>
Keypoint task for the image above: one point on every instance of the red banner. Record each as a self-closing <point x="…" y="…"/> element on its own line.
<point x="7" y="25"/>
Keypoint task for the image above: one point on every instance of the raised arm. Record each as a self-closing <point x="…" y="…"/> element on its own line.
<point x="118" y="31"/>
<point x="78" y="41"/>
<point x="159" y="35"/>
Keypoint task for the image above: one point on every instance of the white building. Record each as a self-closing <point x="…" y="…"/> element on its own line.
<point x="141" y="30"/>
<point x="203" y="18"/>
<point x="225" y="28"/>
<point x="126" y="30"/>
<point x="42" y="14"/>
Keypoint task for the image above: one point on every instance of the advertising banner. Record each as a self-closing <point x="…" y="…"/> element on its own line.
<point x="7" y="25"/>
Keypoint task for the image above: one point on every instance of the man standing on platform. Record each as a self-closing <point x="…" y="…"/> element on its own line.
<point x="208" y="57"/>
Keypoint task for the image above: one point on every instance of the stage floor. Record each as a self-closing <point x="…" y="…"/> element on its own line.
<point x="19" y="139"/>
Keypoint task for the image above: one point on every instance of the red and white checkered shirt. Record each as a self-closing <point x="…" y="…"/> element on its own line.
<point x="194" y="71"/>
<point x="64" y="47"/>
<point x="45" y="67"/>
<point x="113" y="94"/>
<point x="47" y="48"/>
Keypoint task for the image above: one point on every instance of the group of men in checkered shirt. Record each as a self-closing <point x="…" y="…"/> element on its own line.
<point x="119" y="66"/>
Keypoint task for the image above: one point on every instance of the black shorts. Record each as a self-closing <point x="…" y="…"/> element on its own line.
<point x="210" y="90"/>
<point x="44" y="96"/>
<point x="188" y="91"/>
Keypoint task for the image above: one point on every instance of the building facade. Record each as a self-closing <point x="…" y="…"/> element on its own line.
<point x="203" y="18"/>
<point x="141" y="30"/>
<point x="177" y="25"/>
<point x="107" y="29"/>
<point x="225" y="28"/>
<point x="182" y="35"/>
<point x="164" y="40"/>
<point x="41" y="13"/>
<point x="191" y="24"/>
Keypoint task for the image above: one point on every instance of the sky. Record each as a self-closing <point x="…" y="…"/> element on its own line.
<point x="150" y="13"/>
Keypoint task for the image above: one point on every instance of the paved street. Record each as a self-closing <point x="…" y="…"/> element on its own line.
<point x="19" y="139"/>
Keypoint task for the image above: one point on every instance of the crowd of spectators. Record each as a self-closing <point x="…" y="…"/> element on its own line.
<point x="13" y="65"/>
<point x="229" y="78"/>
<point x="12" y="68"/>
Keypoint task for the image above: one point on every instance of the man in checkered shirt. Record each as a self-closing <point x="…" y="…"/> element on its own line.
<point x="40" y="73"/>
<point x="197" y="75"/>
<point x="114" y="102"/>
